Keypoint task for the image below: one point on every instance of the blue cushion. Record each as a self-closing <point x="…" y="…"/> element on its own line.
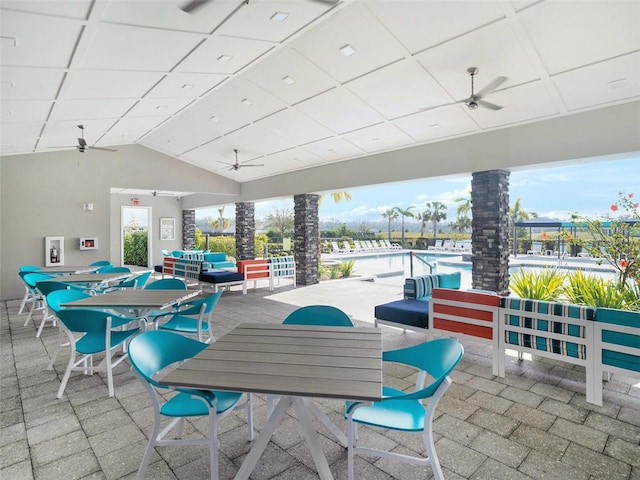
<point x="220" y="277"/>
<point x="450" y="280"/>
<point x="158" y="268"/>
<point x="406" y="312"/>
<point x="215" y="257"/>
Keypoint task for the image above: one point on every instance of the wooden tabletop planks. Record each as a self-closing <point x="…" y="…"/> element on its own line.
<point x="134" y="298"/>
<point x="333" y="362"/>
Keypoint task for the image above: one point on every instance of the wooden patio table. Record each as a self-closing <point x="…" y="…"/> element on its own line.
<point x="295" y="362"/>
<point x="62" y="270"/>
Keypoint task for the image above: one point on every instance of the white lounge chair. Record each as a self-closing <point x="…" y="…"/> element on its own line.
<point x="336" y="248"/>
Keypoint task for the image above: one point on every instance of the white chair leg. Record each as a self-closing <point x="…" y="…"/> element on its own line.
<point x="23" y="303"/>
<point x="250" y="415"/>
<point x="351" y="440"/>
<point x="67" y="373"/>
<point x="150" y="447"/>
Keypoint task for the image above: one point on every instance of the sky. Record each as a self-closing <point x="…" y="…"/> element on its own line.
<point x="588" y="188"/>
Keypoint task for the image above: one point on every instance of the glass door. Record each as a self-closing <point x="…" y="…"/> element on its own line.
<point x="136" y="236"/>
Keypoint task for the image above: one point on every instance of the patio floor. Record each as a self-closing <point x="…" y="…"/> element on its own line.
<point x="534" y="423"/>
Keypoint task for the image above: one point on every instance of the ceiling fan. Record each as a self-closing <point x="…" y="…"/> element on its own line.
<point x="237" y="166"/>
<point x="476" y="99"/>
<point x="82" y="144"/>
<point x="192" y="6"/>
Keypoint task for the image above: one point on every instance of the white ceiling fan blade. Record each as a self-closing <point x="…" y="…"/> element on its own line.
<point x="489" y="105"/>
<point x="193" y="5"/>
<point x="103" y="149"/>
<point x="242" y="165"/>
<point x="226" y="163"/>
<point x="491" y="87"/>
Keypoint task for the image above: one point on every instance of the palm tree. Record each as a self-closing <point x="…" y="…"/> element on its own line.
<point x="437" y="211"/>
<point x="337" y="197"/>
<point x="516" y="214"/>
<point x="221" y="222"/>
<point x="404" y="213"/>
<point x="464" y="206"/>
<point x="390" y="215"/>
<point x="423" y="217"/>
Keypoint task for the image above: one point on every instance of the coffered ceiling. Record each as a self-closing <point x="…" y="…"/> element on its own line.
<point x="272" y="80"/>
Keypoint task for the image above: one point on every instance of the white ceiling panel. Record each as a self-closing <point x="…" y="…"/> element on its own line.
<point x="495" y="50"/>
<point x="355" y="26"/>
<point x="308" y="79"/>
<point x="119" y="47"/>
<point x="21" y="83"/>
<point x="82" y="110"/>
<point x="91" y="84"/>
<point x="332" y="149"/>
<point x="419" y="25"/>
<point x="567" y="37"/>
<point x="187" y="85"/>
<point x="295" y="127"/>
<point x="437" y="124"/>
<point x="290" y="160"/>
<point x="66" y="133"/>
<point x="128" y="130"/>
<point x="166" y="14"/>
<point x="385" y="136"/>
<point x="158" y="107"/>
<point x="78" y="9"/>
<point x="20" y="130"/>
<point x="340" y="111"/>
<point x="24" y="111"/>
<point x="224" y="148"/>
<point x="601" y="83"/>
<point x="414" y="89"/>
<point x="40" y="41"/>
<point x="264" y="141"/>
<point x="254" y="20"/>
<point x="223" y="55"/>
<point x="206" y="158"/>
<point x="18" y="146"/>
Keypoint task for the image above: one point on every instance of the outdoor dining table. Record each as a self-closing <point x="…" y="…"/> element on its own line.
<point x="295" y="362"/>
<point x="62" y="270"/>
<point x="134" y="300"/>
<point x="91" y="281"/>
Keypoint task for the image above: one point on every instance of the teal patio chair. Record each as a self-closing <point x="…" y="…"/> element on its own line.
<point x="44" y="288"/>
<point x="100" y="263"/>
<point x="163" y="284"/>
<point x="54" y="300"/>
<point x="193" y="318"/>
<point x="22" y="271"/>
<point x="325" y="315"/>
<point x="101" y="334"/>
<point x="404" y="411"/>
<point x="35" y="299"/>
<point x="153" y="351"/>
<point x="319" y="315"/>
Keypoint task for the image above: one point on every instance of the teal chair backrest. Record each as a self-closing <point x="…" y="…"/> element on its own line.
<point x="152" y="351"/>
<point x="325" y="315"/>
<point x="111" y="269"/>
<point x="29" y="268"/>
<point x="140" y="281"/>
<point x="57" y="298"/>
<point x="100" y="263"/>
<point x="436" y="357"/>
<point x="32" y="278"/>
<point x="47" y="286"/>
<point x="85" y="320"/>
<point x="194" y="308"/>
<point x="167" y="284"/>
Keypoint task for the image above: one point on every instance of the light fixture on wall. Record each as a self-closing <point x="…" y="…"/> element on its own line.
<point x="87" y="207"/>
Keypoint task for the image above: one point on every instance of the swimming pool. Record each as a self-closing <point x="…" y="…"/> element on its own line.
<point x="399" y="265"/>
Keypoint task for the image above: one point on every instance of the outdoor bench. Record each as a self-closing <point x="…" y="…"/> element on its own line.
<point x="601" y="340"/>
<point x="412" y="312"/>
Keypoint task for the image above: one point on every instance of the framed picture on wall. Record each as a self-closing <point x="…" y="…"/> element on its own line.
<point x="167" y="228"/>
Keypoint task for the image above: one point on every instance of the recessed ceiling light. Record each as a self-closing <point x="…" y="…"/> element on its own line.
<point x="288" y="80"/>
<point x="161" y="107"/>
<point x="8" y="41"/>
<point x="247" y="102"/>
<point x="213" y="118"/>
<point x="348" y="50"/>
<point x="435" y="126"/>
<point x="332" y="150"/>
<point x="279" y="16"/>
<point x="188" y="86"/>
<point x="376" y="140"/>
<point x="224" y="58"/>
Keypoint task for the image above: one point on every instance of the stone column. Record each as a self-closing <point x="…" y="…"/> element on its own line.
<point x="188" y="229"/>
<point x="490" y="230"/>
<point x="307" y="238"/>
<point x="245" y="231"/>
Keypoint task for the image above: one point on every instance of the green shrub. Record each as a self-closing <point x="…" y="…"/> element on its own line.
<point x="135" y="248"/>
<point x="346" y="268"/>
<point x="538" y="284"/>
<point x="593" y="291"/>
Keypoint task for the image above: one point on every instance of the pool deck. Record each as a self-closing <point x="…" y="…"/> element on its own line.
<point x="533" y="424"/>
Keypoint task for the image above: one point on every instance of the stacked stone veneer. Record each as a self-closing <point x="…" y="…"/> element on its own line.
<point x="188" y="229"/>
<point x="245" y="231"/>
<point x="490" y="230"/>
<point x="307" y="238"/>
